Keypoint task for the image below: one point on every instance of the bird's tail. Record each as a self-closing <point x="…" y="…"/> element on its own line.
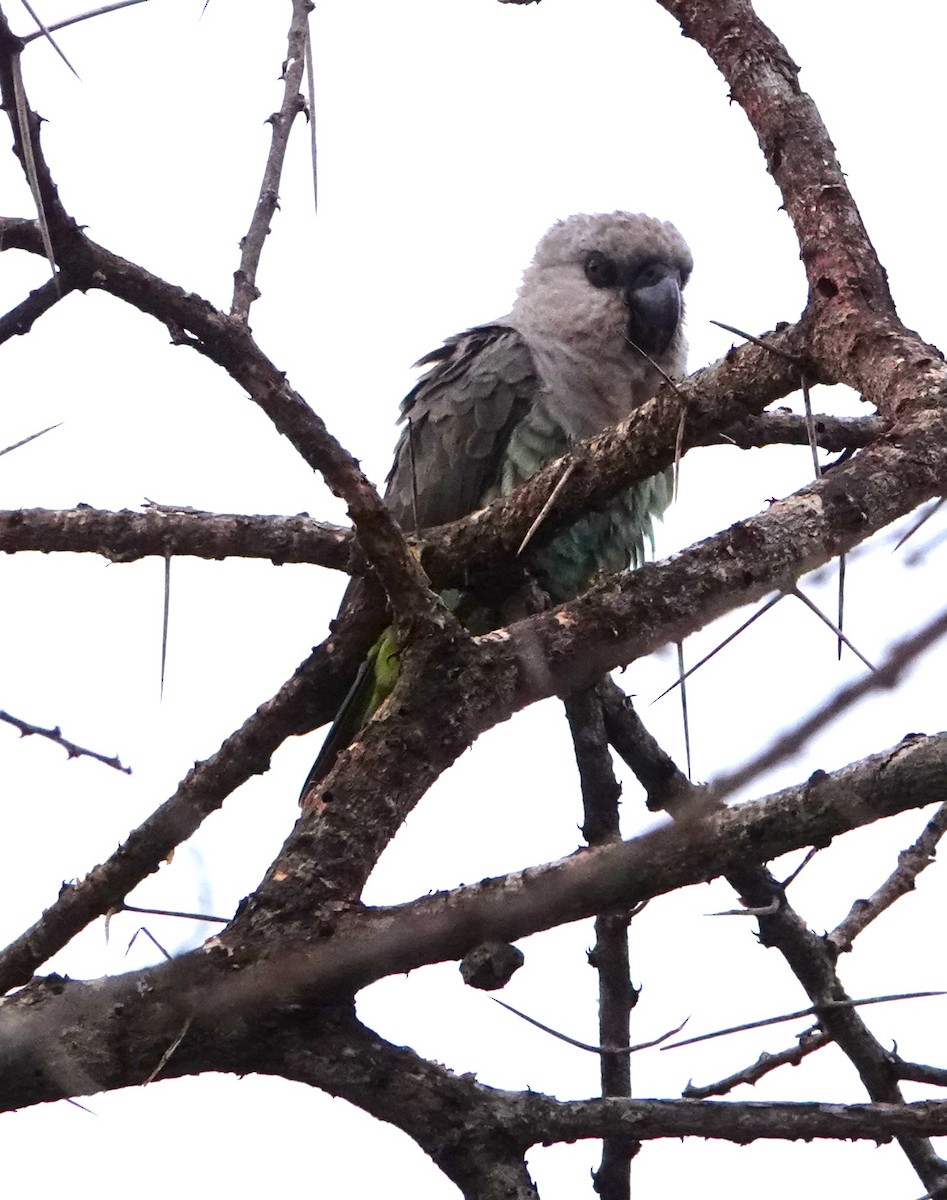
<point x="374" y="683"/>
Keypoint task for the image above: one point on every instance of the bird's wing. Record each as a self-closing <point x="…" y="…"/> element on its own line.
<point x="458" y="420"/>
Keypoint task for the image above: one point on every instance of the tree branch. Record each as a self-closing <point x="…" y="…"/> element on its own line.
<point x="55" y="735"/>
<point x="127" y="536"/>
<point x="911" y="862"/>
<point x="20" y="319"/>
<point x="616" y="995"/>
<point x="245" y="289"/>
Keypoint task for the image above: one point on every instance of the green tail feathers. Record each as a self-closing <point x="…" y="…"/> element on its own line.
<point x="373" y="684"/>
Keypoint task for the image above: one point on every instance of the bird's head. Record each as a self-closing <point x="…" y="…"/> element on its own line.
<point x="610" y="286"/>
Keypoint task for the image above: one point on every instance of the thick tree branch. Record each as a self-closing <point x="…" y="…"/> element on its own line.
<point x="741" y="384"/>
<point x="379" y="778"/>
<point x="359" y="945"/>
<point x="229" y="343"/>
<point x="127" y="536"/>
<point x="740" y="1123"/>
<point x="857" y="337"/>
<point x="781" y="428"/>
<point x="218" y="992"/>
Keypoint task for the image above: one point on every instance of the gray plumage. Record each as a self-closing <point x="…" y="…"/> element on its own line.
<point x="595" y="327"/>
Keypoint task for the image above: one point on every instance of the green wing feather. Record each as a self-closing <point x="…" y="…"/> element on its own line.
<point x="373" y="684"/>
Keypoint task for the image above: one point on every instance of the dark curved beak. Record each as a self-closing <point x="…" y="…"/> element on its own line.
<point x="654" y="313"/>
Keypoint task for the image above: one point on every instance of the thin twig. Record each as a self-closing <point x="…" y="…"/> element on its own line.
<point x="20" y="319"/>
<point x="911" y="862"/>
<point x="245" y="289"/>
<point x="55" y="735"/>
<point x="811" y="1040"/>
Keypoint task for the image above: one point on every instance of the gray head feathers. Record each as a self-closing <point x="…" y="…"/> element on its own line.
<point x="600" y="307"/>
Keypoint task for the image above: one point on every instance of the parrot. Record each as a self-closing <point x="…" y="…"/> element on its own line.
<point x="595" y="327"/>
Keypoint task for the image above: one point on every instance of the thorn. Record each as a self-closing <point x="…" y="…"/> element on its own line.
<point x="151" y="938"/>
<point x="769" y="910"/>
<point x="793" y="358"/>
<point x="167" y="1054"/>
<point x="584" y="1045"/>
<point x="49" y="37"/>
<point x="798" y="871"/>
<point x="835" y="629"/>
<point x="810" y="429"/>
<point x="729" y="638"/>
<point x="311" y="86"/>
<point x="914" y="528"/>
<point x="814" y="1010"/>
<point x="93" y="12"/>
<point x="168" y="912"/>
<point x="164" y="621"/>
<point x="678" y="445"/>
<point x="687" y="732"/>
<point x="414" y="476"/>
<point x="23" y="441"/>
<point x="544" y="511"/>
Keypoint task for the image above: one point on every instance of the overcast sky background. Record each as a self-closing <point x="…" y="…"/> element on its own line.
<point x="450" y="137"/>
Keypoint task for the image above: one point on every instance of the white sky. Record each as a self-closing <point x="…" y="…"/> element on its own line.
<point x="450" y="136"/>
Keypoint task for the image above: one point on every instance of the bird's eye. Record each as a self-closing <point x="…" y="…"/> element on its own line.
<point x="600" y="271"/>
<point x="650" y="274"/>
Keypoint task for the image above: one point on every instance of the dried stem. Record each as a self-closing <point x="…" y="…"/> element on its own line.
<point x="55" y="735"/>
<point x="245" y="289"/>
<point x="813" y="1039"/>
<point x="911" y="862"/>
